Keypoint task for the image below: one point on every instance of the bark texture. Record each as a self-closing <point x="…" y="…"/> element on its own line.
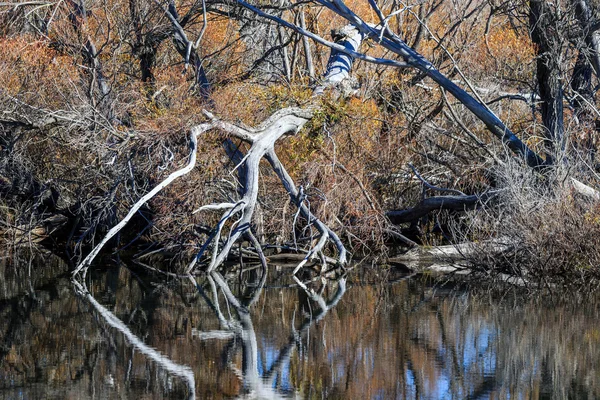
<point x="544" y="34"/>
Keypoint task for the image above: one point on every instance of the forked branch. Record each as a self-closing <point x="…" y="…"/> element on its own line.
<point x="262" y="140"/>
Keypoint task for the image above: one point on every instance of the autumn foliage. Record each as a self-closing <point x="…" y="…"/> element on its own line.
<point x="97" y="102"/>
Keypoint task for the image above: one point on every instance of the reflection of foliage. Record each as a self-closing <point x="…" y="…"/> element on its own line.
<point x="404" y="339"/>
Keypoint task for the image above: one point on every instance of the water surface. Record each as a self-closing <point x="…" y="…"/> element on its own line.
<point x="378" y="335"/>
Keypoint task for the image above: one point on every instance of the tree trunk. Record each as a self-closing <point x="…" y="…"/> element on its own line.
<point x="591" y="37"/>
<point x="340" y="63"/>
<point x="307" y="52"/>
<point x="544" y="34"/>
<point x="186" y="49"/>
<point x="458" y="203"/>
<point x="588" y="60"/>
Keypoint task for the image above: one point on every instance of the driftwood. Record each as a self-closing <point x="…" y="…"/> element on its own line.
<point x="584" y="189"/>
<point x="33" y="234"/>
<point x="454" y="252"/>
<point x="454" y="259"/>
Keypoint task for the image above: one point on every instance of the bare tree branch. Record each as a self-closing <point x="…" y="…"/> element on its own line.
<point x="196" y="131"/>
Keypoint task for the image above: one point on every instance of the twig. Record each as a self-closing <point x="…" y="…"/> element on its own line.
<point x="432" y="187"/>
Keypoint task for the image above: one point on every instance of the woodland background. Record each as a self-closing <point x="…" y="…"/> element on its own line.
<point x="97" y="99"/>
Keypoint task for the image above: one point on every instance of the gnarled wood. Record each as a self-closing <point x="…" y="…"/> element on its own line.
<point x="262" y="140"/>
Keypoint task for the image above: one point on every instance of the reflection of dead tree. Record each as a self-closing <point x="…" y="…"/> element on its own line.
<point x="297" y="334"/>
<point x="162" y="361"/>
<point x="243" y="330"/>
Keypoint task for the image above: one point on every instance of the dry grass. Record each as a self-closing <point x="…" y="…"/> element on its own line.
<point x="554" y="231"/>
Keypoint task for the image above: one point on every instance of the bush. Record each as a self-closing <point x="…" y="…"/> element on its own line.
<point x="552" y="231"/>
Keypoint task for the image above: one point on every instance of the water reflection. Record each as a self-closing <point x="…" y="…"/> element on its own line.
<point x="260" y="380"/>
<point x="163" y="362"/>
<point x="129" y="335"/>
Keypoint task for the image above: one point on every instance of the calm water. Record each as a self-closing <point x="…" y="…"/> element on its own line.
<point x="124" y="334"/>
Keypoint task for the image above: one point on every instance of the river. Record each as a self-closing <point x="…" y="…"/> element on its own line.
<point x="369" y="334"/>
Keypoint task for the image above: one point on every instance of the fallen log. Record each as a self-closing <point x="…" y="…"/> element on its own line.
<point x="453" y="252"/>
<point x="456" y="203"/>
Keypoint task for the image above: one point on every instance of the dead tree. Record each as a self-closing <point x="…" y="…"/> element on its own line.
<point x="436" y="203"/>
<point x="589" y="32"/>
<point x="384" y="36"/>
<point x="187" y="48"/>
<point x="262" y="141"/>
<point x="91" y="53"/>
<point x="587" y="65"/>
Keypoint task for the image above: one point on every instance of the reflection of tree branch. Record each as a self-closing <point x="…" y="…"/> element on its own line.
<point x="182" y="371"/>
<point x="286" y="352"/>
<point x="243" y="329"/>
<point x="213" y="304"/>
<point x="449" y="345"/>
<point x="247" y="334"/>
<point x="213" y="335"/>
<point x="486" y="387"/>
